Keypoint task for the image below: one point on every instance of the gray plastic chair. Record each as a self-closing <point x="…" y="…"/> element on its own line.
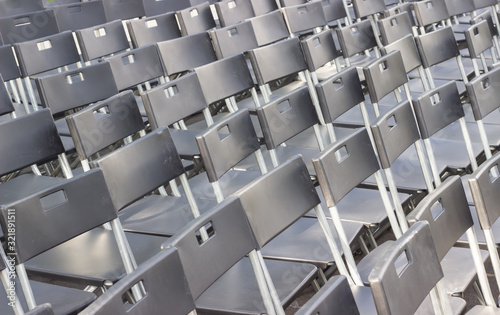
<point x="102" y="40"/>
<point x="26" y="26"/>
<point x="123" y="10"/>
<point x="75" y="16"/>
<point x="479" y="40"/>
<point x="269" y="28"/>
<point x="321" y="55"/>
<point x="233" y="39"/>
<point x="304" y="18"/>
<point x="233" y="283"/>
<point x="394" y="27"/>
<point x="9" y="8"/>
<point x="233" y="11"/>
<point x="335" y="297"/>
<point x="429" y="12"/>
<point x="195" y="19"/>
<point x="153" y="29"/>
<point x="165" y="284"/>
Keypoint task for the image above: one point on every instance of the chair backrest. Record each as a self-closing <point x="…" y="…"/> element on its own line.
<point x="166" y="288"/>
<point x="402" y="7"/>
<point x="339" y="93"/>
<point x="28" y="26"/>
<point x="335" y="297"/>
<point x="15" y="7"/>
<point x="479" y="4"/>
<point x="478" y="38"/>
<point x="261" y="7"/>
<point x="394" y="132"/>
<point x="233" y="39"/>
<point x="42" y="309"/>
<point x="186" y="53"/>
<point x="75" y="16"/>
<point x="408" y="50"/>
<point x="79" y="87"/>
<point x="46" y="53"/>
<point x="276" y="200"/>
<point x="154" y="7"/>
<point x="319" y="49"/>
<point x="458" y="7"/>
<point x="123" y="9"/>
<point x="59" y="212"/>
<point x="344" y="165"/>
<point x="8" y="64"/>
<point x="486" y="15"/>
<point x="430" y="11"/>
<point x="28" y="140"/>
<point x="102" y="40"/>
<point x="6" y="105"/>
<point x="356" y="38"/>
<point x="484" y="185"/>
<point x="304" y="17"/>
<point x="437" y="46"/>
<point x="334" y="10"/>
<point x="153" y="29"/>
<point x="363" y="8"/>
<point x="286" y="117"/>
<point x="400" y="289"/>
<point x="232" y="75"/>
<point x="484" y="94"/>
<point x="50" y="3"/>
<point x="104" y="123"/>
<point x="233" y="11"/>
<point x="226" y="143"/>
<point x="170" y="102"/>
<point x="384" y="75"/>
<point x="394" y="27"/>
<point x="269" y="28"/>
<point x="195" y="19"/>
<point x="438" y="108"/>
<point x="447" y="212"/>
<point x="230" y="241"/>
<point x="277" y="60"/>
<point x="136" y="66"/>
<point x="140" y="167"/>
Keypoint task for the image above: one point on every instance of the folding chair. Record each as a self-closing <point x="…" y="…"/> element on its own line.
<point x="153" y="7"/>
<point x="269" y="28"/>
<point x="9" y="7"/>
<point x="45" y="54"/>
<point x="304" y="18"/>
<point x="370" y="11"/>
<point x="321" y="55"/>
<point x="335" y="297"/>
<point x="123" y="10"/>
<point x="233" y="39"/>
<point x="479" y="41"/>
<point x="233" y="283"/>
<point x="102" y="40"/>
<point x="232" y="12"/>
<point x="75" y="16"/>
<point x="165" y="284"/>
<point x="394" y="27"/>
<point x="402" y="7"/>
<point x="28" y="26"/>
<point x="195" y="19"/>
<point x="153" y="29"/>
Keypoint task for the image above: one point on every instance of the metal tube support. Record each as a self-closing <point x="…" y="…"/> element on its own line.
<point x="376" y="109"/>
<point x="219" y="196"/>
<point x="445" y="299"/>
<point x="208" y="117"/>
<point x="484" y="138"/>
<point x="265" y="93"/>
<point x="162" y="191"/>
<point x="192" y="203"/>
<point x="35" y="170"/>
<point x="314" y="96"/>
<point x="421" y="154"/>
<point x="63" y="160"/>
<point x="261" y="162"/>
<point x="462" y="69"/>
<point x="255" y="97"/>
<point x="270" y="285"/>
<point x="492" y="248"/>
<point x="319" y="138"/>
<point x="397" y="202"/>
<point x="351" y="263"/>
<point x="348" y="14"/>
<point x="432" y="161"/>
<point x="483" y="62"/>
<point x="31" y="94"/>
<point x="274" y="157"/>
<point x="261" y="282"/>
<point x="476" y="67"/>
<point x="25" y="285"/>
<point x="430" y="78"/>
<point x="175" y="189"/>
<point x="14" y="91"/>
<point x="330" y="239"/>
<point x="468" y="143"/>
<point x="423" y="78"/>
<point x="481" y="272"/>
<point x="85" y="165"/>
<point x="396" y="229"/>
<point x="17" y="307"/>
<point x="331" y="132"/>
<point x="436" y="302"/>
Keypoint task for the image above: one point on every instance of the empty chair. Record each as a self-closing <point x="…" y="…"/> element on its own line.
<point x="321" y="55"/>
<point x="269" y="28"/>
<point x="479" y="40"/>
<point x="233" y="11"/>
<point x="75" y="16"/>
<point x="166" y="289"/>
<point x="394" y="27"/>
<point x="10" y="7"/>
<point x="123" y="10"/>
<point x="335" y="12"/>
<point x="430" y="12"/>
<point x="335" y="297"/>
<point x="195" y="19"/>
<point x="233" y="39"/>
<point x="153" y="29"/>
<point x="304" y="18"/>
<point x="102" y="40"/>
<point x="28" y="26"/>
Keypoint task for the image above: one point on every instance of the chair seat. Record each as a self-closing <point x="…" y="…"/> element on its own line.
<point x="492" y="118"/>
<point x="483" y="310"/>
<point x="160" y="215"/>
<point x="307" y="138"/>
<point x="24" y="185"/>
<point x="453" y="154"/>
<point x="92" y="257"/>
<point x="185" y="142"/>
<point x="62" y="127"/>
<point x="361" y="205"/>
<point x="447" y="70"/>
<point x="250" y="104"/>
<point x="304" y="241"/>
<point x="366" y="305"/>
<point x="236" y="292"/>
<point x="479" y="233"/>
<point x="453" y="132"/>
<point x="458" y="267"/>
<point x="62" y="299"/>
<point x="326" y="71"/>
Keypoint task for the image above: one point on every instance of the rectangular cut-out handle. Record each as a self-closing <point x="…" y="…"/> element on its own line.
<point x="316" y="42"/>
<point x="128" y="297"/>
<point x="302" y="10"/>
<point x="232" y="32"/>
<point x="341" y="154"/>
<point x="130" y="59"/>
<point x="435" y="99"/>
<point x="339" y="82"/>
<point x="25" y="20"/>
<point x="75" y="78"/>
<point x="437" y="209"/>
<point x="100" y="32"/>
<point x="171" y="91"/>
<point x="284" y="106"/>
<point x="151" y="23"/>
<point x="231" y="4"/>
<point x="193" y="13"/>
<point x="209" y="229"/>
<point x="394" y="22"/>
<point x="402" y="263"/>
<point x="494" y="174"/>
<point x="53" y="200"/>
<point x="46" y="44"/>
<point x="75" y="9"/>
<point x="485" y="84"/>
<point x="391" y="122"/>
<point x="224" y="132"/>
